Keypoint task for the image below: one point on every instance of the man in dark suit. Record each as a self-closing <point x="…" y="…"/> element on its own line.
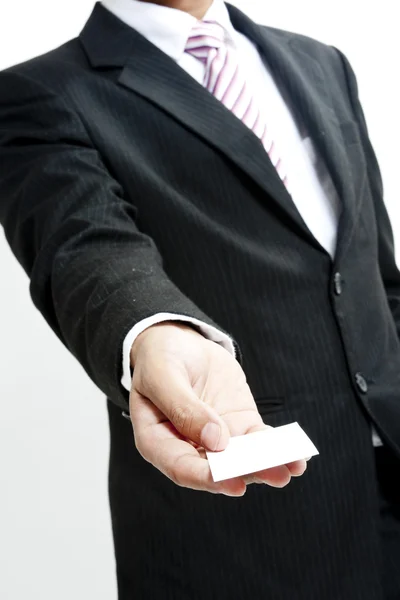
<point x="196" y="201"/>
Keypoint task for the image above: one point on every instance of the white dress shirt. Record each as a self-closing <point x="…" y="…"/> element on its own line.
<point x="310" y="184"/>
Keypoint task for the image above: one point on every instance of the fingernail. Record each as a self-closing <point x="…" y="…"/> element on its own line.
<point x="210" y="436"/>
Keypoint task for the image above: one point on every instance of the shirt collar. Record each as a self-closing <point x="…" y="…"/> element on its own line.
<point x="165" y="27"/>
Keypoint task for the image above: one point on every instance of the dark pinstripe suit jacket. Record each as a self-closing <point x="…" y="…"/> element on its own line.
<point x="126" y="190"/>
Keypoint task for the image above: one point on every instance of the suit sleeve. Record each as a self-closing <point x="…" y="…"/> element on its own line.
<point x="93" y="274"/>
<point x="387" y="261"/>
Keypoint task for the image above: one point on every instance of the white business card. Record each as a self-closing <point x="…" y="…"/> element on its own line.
<point x="265" y="449"/>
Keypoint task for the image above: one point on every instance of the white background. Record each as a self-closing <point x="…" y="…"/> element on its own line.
<point x="55" y="534"/>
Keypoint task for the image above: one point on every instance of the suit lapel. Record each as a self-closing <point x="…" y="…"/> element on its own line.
<point x="150" y="73"/>
<point x="157" y="78"/>
<point x="301" y="80"/>
<point x="314" y="107"/>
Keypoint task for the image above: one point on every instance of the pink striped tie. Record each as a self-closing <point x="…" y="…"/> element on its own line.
<point x="225" y="79"/>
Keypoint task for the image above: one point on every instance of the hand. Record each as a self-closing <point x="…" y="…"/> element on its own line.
<point x="189" y="394"/>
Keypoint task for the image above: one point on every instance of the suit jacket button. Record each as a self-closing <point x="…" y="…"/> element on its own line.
<point x="337" y="283"/>
<point x="361" y="383"/>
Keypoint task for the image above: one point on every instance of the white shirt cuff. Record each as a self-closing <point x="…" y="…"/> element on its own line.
<point x="209" y="332"/>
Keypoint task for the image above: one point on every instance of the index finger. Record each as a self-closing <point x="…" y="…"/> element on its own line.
<point x="166" y="449"/>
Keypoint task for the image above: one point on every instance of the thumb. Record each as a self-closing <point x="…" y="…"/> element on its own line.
<point x="193" y="418"/>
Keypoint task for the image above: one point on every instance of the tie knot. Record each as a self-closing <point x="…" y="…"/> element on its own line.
<point x="205" y="35"/>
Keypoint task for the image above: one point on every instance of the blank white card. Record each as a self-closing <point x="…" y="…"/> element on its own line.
<point x="261" y="450"/>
